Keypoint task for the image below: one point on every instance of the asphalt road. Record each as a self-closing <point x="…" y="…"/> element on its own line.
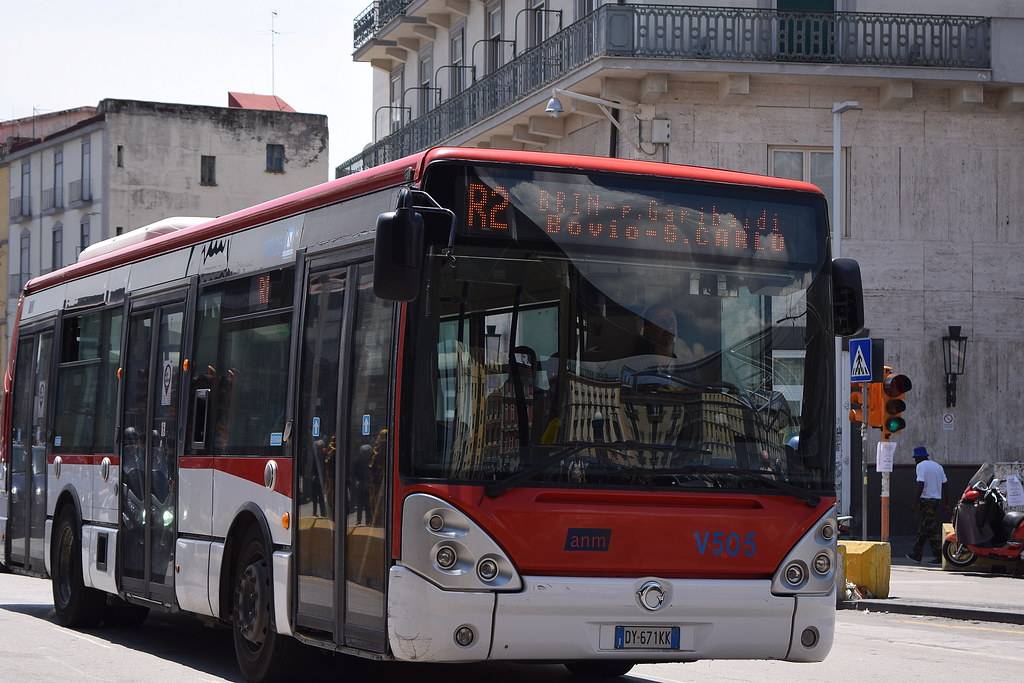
<point x="178" y="648"/>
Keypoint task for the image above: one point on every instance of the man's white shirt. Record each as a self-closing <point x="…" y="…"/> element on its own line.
<point x="931" y="474"/>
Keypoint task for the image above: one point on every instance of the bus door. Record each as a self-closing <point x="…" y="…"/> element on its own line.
<point x="28" y="447"/>
<point x="149" y="447"/>
<point x="341" y="417"/>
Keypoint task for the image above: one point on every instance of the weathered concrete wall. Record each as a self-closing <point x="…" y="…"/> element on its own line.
<point x="163" y="145"/>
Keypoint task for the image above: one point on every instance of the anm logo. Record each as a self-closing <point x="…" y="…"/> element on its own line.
<point x="595" y="540"/>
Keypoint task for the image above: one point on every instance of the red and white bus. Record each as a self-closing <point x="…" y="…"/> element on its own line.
<point x="469" y="405"/>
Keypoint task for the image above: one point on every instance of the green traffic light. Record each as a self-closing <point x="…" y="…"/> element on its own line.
<point x="895" y="424"/>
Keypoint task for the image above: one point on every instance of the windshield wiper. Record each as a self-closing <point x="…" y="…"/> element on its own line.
<point x="564" y="450"/>
<point x="812" y="499"/>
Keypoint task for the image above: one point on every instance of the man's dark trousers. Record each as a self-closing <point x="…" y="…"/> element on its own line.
<point x="928" y="527"/>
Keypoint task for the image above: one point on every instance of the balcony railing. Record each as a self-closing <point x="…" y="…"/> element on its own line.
<point x="18" y="210"/>
<point x="673" y="33"/>
<point x="365" y="26"/>
<point x="371" y="20"/>
<point x="80" y="191"/>
<point x="48" y="200"/>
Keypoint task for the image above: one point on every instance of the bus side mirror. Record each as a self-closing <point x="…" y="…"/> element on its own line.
<point x="398" y="252"/>
<point x="847" y="297"/>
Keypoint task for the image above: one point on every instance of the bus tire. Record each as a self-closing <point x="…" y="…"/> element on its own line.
<point x="600" y="669"/>
<point x="261" y="652"/>
<point x="74" y="604"/>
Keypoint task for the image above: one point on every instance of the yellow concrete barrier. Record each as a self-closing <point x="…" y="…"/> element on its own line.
<point x="868" y="565"/>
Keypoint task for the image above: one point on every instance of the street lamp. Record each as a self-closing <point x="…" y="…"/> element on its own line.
<point x="954" y="357"/>
<point x="842" y="369"/>
<point x="641" y="112"/>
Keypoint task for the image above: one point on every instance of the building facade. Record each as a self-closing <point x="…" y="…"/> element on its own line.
<point x="933" y="159"/>
<point x="132" y="163"/>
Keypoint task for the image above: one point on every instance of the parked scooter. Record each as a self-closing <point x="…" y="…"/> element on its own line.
<point x="982" y="526"/>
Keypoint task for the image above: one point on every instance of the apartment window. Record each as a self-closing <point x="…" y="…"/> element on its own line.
<point x="397" y="87"/>
<point x="120" y="156"/>
<point x="208" y="169"/>
<point x="86" y="169"/>
<point x="83" y="233"/>
<point x="457" y="58"/>
<point x="426" y="67"/>
<point x="25" y="265"/>
<point x="810" y="165"/>
<point x="585" y="7"/>
<point x="57" y="246"/>
<point x="275" y="158"/>
<point x="537" y="23"/>
<point x="493" y="29"/>
<point x="58" y="178"/>
<point x="26" y="187"/>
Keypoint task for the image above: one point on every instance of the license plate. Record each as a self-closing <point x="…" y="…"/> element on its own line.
<point x="646" y="637"/>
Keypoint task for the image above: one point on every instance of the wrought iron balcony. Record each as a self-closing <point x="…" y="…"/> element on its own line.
<point x="365" y="26"/>
<point x="653" y="32"/>
<point x="371" y="20"/>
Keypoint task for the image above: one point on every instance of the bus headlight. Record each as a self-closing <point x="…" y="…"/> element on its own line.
<point x="446" y="557"/>
<point x="808" y="567"/>
<point x="442" y="544"/>
<point x="487" y="569"/>
<point x="795" y="574"/>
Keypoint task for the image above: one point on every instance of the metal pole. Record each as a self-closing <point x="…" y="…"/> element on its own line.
<point x="885" y="500"/>
<point x="863" y="465"/>
<point x="837" y="234"/>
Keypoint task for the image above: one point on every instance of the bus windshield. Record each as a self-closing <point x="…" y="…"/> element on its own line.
<point x="542" y="359"/>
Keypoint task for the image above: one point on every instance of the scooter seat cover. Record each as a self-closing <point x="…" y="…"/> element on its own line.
<point x="1011" y="521"/>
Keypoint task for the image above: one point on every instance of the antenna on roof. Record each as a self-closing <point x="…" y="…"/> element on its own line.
<point x="273" y="37"/>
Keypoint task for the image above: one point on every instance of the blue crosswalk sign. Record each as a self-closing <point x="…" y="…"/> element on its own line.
<point x="860" y="360"/>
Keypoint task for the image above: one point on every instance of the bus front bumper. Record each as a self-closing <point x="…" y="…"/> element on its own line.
<point x="575" y="618"/>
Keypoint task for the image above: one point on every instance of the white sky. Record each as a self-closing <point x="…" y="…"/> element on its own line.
<point x="59" y="54"/>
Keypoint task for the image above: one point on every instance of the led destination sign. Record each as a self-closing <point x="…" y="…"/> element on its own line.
<point x="626" y="212"/>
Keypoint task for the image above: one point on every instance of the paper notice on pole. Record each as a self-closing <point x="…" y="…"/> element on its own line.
<point x="1014" y="491"/>
<point x="884" y="456"/>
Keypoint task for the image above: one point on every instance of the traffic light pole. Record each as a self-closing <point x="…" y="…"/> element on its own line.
<point x="863" y="465"/>
<point x="885" y="499"/>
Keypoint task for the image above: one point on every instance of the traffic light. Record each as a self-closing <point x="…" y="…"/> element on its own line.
<point x="856" y="403"/>
<point x="876" y="400"/>
<point x="894" y="387"/>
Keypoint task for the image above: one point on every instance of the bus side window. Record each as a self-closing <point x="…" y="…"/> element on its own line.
<point x="90" y="353"/>
<point x="240" y="377"/>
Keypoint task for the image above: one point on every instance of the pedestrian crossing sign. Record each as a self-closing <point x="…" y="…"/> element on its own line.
<point x="860" y="360"/>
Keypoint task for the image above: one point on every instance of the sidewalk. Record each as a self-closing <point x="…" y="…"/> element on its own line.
<point x="929" y="591"/>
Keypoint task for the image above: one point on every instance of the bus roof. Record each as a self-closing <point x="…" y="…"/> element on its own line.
<point x="391" y="174"/>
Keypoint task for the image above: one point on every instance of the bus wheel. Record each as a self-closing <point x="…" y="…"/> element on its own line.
<point x="262" y="654"/>
<point x="606" y="669"/>
<point x="75" y="604"/>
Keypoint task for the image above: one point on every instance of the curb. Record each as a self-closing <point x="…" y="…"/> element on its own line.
<point x="933" y="610"/>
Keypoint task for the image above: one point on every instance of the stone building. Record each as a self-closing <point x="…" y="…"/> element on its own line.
<point x="130" y="163"/>
<point x="933" y="159"/>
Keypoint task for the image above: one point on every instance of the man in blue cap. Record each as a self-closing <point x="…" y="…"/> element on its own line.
<point x="931" y="491"/>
